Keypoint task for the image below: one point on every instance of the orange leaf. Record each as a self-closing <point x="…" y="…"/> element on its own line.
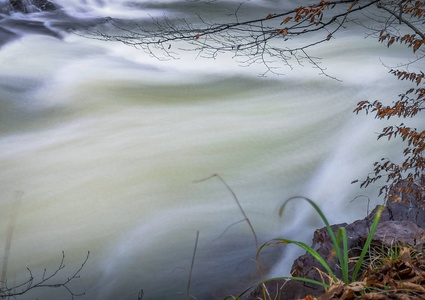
<point x="391" y="41"/>
<point x="351" y="6"/>
<point x="286" y="20"/>
<point x="308" y="297"/>
<point x="269" y="16"/>
<point x="197" y="36"/>
<point x="418" y="43"/>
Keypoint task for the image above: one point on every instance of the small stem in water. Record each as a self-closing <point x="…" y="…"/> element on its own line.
<point x="191" y="266"/>
<point x="12" y="221"/>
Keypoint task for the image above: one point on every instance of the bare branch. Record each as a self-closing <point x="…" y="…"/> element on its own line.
<point x="261" y="40"/>
<point x="45" y="281"/>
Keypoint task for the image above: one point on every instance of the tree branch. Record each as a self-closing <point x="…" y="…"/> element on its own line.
<point x="403" y="20"/>
<point x="11" y="292"/>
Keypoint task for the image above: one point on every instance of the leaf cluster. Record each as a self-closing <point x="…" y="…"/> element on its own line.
<point x="404" y="176"/>
<point x="411" y="40"/>
<point x="408" y="12"/>
<point x="402" y="275"/>
<point x="313" y="13"/>
<point x="414" y="7"/>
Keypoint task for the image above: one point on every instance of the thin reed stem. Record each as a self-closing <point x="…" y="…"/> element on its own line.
<point x="191" y="266"/>
<point x="257" y="247"/>
<point x="12" y="221"/>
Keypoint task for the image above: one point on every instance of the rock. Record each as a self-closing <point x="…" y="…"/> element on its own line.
<point x="17" y="5"/>
<point x="44" y="5"/>
<point x="402" y="222"/>
<point x="390" y="233"/>
<point x="32" y="6"/>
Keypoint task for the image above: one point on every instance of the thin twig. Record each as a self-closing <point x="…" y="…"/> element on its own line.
<point x="191" y="266"/>
<point x="368" y="202"/>
<point x="44" y="282"/>
<point x="258" y="259"/>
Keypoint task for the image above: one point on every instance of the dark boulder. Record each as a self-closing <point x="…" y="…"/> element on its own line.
<point x="17" y="5"/>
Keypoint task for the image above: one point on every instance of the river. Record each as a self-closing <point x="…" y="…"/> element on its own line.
<point x="109" y="146"/>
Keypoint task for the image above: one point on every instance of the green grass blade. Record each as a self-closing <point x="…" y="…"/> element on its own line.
<point x="307" y="248"/>
<point x="368" y="241"/>
<point x="342" y="233"/>
<point x="322" y="216"/>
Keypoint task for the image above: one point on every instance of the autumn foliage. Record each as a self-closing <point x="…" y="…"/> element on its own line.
<point x="415" y="10"/>
<point x="408" y="176"/>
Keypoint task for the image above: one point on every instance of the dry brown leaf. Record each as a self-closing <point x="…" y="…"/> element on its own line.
<point x="405" y="254"/>
<point x="334" y="291"/>
<point x="411" y="286"/>
<point x="357" y="286"/>
<point x="373" y="296"/>
<point x="286" y="20"/>
<point x="351" y="6"/>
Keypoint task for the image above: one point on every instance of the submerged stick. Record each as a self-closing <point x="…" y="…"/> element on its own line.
<point x="12" y="221"/>
<point x="191" y="266"/>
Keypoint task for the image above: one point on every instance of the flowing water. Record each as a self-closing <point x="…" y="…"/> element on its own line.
<point x="108" y="146"/>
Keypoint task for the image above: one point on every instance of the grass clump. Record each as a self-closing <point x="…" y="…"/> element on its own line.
<point x="340" y="249"/>
<point x="379" y="272"/>
<point x="331" y="283"/>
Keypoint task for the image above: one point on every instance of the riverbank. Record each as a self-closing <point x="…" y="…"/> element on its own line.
<point x="395" y="264"/>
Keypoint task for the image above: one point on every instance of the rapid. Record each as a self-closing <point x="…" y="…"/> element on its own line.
<point x="104" y="149"/>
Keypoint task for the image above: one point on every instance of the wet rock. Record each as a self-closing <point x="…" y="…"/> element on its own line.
<point x="390" y="233"/>
<point x="17" y="5"/>
<point x="32" y="6"/>
<point x="45" y="5"/>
